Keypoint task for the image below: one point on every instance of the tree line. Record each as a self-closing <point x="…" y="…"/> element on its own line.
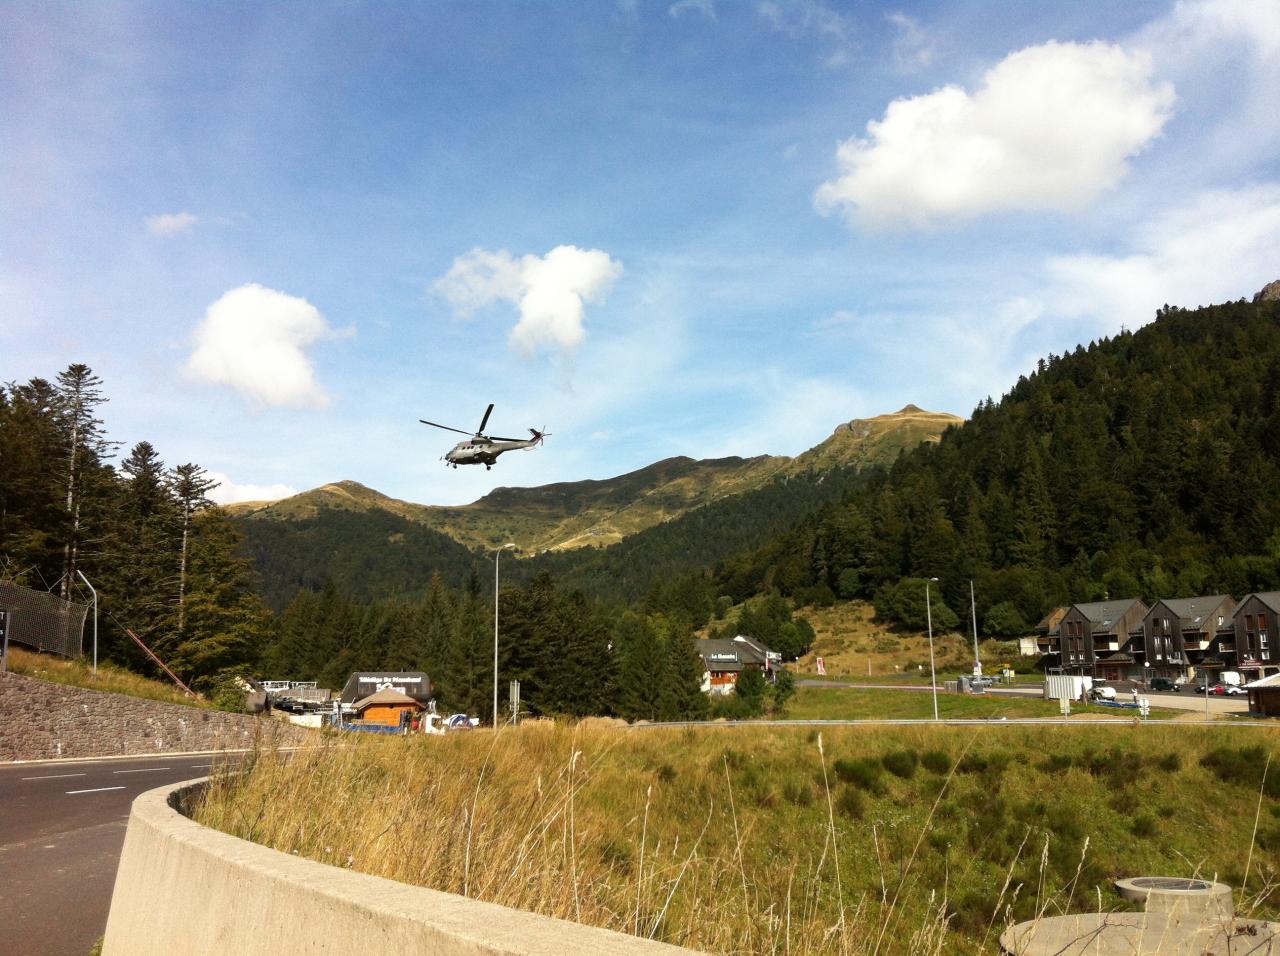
<point x="1143" y="465"/>
<point x="571" y="656"/>
<point x="161" y="556"/>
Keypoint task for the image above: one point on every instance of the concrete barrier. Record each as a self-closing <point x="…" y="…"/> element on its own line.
<point x="184" y="888"/>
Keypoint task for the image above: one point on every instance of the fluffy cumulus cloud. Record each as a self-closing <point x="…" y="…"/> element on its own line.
<point x="170" y="223"/>
<point x="254" y="339"/>
<point x="229" y="492"/>
<point x="551" y="291"/>
<point x="1050" y="127"/>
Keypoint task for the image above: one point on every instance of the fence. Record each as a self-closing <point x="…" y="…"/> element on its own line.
<point x="43" y="621"/>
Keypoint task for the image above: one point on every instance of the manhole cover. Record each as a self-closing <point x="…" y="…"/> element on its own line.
<point x="1168" y="883"/>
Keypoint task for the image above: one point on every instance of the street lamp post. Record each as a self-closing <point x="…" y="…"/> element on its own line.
<point x="973" y="616"/>
<point x="95" y="618"/>
<point x="933" y="677"/>
<point x="497" y="555"/>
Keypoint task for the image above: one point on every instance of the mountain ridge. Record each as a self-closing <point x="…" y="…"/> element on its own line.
<point x="564" y="516"/>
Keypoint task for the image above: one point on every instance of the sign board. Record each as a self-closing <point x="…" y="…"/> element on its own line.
<point x="726" y="658"/>
<point x="822" y="667"/>
<point x="4" y="624"/>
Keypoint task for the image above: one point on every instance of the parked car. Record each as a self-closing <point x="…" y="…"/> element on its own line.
<point x="1166" y="684"/>
<point x="1102" y="693"/>
<point x="1222" y="690"/>
<point x="984" y="680"/>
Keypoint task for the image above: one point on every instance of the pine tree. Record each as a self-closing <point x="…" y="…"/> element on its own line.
<point x="190" y="487"/>
<point x="79" y="395"/>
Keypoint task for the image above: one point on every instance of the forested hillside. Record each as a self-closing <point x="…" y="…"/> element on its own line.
<point x="1147" y="464"/>
<point x="161" y="556"/>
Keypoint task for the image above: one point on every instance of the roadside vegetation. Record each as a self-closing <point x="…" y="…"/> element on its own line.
<point x="871" y="703"/>
<point x="110" y="677"/>
<point x="762" y="839"/>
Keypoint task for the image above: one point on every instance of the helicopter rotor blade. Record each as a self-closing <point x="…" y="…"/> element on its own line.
<point x="485" y="421"/>
<point x="500" y="438"/>
<point x="445" y="427"/>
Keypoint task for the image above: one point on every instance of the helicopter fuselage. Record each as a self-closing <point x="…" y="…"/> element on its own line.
<point x="484" y="452"/>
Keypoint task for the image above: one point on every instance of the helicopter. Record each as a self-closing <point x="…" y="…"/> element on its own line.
<point x="482" y="449"/>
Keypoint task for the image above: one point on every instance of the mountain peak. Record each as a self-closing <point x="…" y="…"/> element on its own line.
<point x="909" y="409"/>
<point x="1270" y="292"/>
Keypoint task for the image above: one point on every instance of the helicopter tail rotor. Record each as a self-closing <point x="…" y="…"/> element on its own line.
<point x="539" y="436"/>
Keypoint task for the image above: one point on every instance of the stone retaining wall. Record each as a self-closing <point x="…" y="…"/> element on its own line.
<point x="184" y="888"/>
<point x="40" y="719"/>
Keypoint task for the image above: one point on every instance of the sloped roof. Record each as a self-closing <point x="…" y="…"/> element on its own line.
<point x="1105" y="613"/>
<point x="1272" y="681"/>
<point x="1049" y="623"/>
<point x="1270" y="598"/>
<point x="722" y="654"/>
<point x="386" y="697"/>
<point x="1194" y="610"/>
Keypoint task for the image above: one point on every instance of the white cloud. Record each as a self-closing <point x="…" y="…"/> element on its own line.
<point x="1050" y="127"/>
<point x="800" y="18"/>
<point x="254" y="339"/>
<point x="1217" y="247"/>
<point x="551" y="291"/>
<point x="229" y="492"/>
<point x="705" y="7"/>
<point x="913" y="49"/>
<point x="170" y="223"/>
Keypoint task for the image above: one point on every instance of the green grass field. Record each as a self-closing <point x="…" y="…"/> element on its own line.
<point x="769" y="839"/>
<point x="849" y="703"/>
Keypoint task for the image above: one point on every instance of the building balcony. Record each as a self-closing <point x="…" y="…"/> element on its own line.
<point x="1105" y="645"/>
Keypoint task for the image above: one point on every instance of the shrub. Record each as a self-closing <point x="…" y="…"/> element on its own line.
<point x="901" y="763"/>
<point x="1170" y="762"/>
<point x="1143" y="825"/>
<point x="1242" y="765"/>
<point x="1056" y="763"/>
<point x="863" y="773"/>
<point x="936" y="761"/>
<point x="851" y="803"/>
<point x="798" y="791"/>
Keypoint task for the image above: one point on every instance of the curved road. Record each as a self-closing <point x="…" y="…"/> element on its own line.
<point x="61" y="829"/>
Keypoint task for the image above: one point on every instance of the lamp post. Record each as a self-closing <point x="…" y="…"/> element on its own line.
<point x="95" y="618"/>
<point x="497" y="555"/>
<point x="973" y="616"/>
<point x="933" y="677"/>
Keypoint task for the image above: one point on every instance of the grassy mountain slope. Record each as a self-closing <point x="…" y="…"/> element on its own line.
<point x="570" y="515"/>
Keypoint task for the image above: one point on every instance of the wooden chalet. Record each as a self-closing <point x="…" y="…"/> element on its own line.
<point x="1100" y="639"/>
<point x="1048" y="631"/>
<point x="388" y="707"/>
<point x="724" y="659"/>
<point x="1182" y="635"/>
<point x="1254" y="623"/>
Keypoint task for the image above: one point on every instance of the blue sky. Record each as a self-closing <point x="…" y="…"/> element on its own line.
<point x="282" y="233"/>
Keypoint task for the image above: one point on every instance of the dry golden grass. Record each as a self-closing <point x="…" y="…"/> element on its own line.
<point x="849" y="638"/>
<point x="109" y="678"/>
<point x="770" y="840"/>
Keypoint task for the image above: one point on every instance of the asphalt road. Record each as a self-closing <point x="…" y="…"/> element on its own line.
<point x="61" y="829"/>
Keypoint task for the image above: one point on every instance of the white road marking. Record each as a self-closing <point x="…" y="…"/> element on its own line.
<point x="94" y="790"/>
<point x="56" y="776"/>
<point x="144" y="770"/>
<point x="201" y="766"/>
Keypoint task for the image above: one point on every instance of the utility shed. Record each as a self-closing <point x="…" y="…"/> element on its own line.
<point x="1264" y="696"/>
<point x="387" y="707"/>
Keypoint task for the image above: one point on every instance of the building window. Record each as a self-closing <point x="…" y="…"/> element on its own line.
<point x="1248" y="622"/>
